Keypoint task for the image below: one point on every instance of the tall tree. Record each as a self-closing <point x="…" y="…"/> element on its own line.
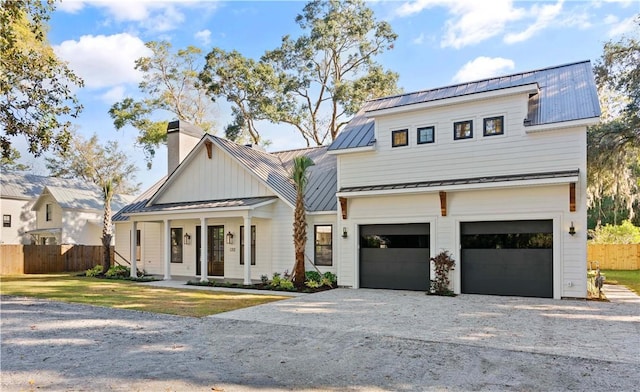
<point x="250" y="86"/>
<point x="331" y="67"/>
<point x="613" y="146"/>
<point x="104" y="165"/>
<point x="36" y="100"/>
<point x="300" y="179"/>
<point x="170" y="84"/>
<point x="10" y="163"/>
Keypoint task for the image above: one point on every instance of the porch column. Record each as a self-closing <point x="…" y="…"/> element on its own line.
<point x="247" y="249"/>
<point x="167" y="249"/>
<point x="203" y="249"/>
<point x="134" y="246"/>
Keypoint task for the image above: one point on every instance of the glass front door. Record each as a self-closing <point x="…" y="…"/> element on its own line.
<point x="215" y="251"/>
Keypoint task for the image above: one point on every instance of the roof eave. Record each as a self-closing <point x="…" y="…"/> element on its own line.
<point x="583" y="122"/>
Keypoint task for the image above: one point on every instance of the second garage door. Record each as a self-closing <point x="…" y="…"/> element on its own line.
<point x="394" y="256"/>
<point x="507" y="258"/>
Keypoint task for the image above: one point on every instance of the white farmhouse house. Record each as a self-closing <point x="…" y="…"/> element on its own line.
<point x="492" y="171"/>
<point x="48" y="210"/>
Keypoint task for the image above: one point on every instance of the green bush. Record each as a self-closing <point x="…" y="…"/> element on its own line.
<point x="276" y="279"/>
<point x="625" y="233"/>
<point x="95" y="271"/>
<point x="286" y="285"/>
<point x="118" y="271"/>
<point x="312" y="275"/>
<point x="333" y="278"/>
<point x="312" y="284"/>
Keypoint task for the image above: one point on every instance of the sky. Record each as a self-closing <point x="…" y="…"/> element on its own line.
<point x="440" y="42"/>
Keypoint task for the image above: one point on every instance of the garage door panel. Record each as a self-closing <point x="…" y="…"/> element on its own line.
<point x="406" y="269"/>
<point x="522" y="272"/>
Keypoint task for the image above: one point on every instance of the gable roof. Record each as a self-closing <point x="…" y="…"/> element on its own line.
<point x="565" y="93"/>
<point x="81" y="199"/>
<point x="27" y="186"/>
<point x="270" y="168"/>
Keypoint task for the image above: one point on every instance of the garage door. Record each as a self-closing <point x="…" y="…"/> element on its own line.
<point x="507" y="258"/>
<point x="394" y="256"/>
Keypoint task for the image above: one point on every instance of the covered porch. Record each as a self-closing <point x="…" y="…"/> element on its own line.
<point x="205" y="239"/>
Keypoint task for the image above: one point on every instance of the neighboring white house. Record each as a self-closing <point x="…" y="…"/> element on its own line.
<point x="492" y="171"/>
<point x="49" y="210"/>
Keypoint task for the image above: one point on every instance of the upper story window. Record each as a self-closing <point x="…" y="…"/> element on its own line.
<point x="425" y="135"/>
<point x="493" y="126"/>
<point x="6" y="220"/>
<point x="48" y="212"/>
<point x="400" y="138"/>
<point x="463" y="130"/>
<point x="324" y="245"/>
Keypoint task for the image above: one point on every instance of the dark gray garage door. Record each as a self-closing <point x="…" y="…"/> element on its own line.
<point x="394" y="256"/>
<point x="507" y="258"/>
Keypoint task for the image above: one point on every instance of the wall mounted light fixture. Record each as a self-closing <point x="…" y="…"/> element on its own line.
<point x="572" y="229"/>
<point x="187" y="239"/>
<point x="344" y="232"/>
<point x="229" y="238"/>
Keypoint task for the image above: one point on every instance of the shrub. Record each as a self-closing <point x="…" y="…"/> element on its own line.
<point x="443" y="265"/>
<point x="95" y="271"/>
<point x="264" y="279"/>
<point x="286" y="285"/>
<point x="312" y="284"/>
<point x="333" y="278"/>
<point x="275" y="281"/>
<point x="625" y="233"/>
<point x="118" y="271"/>
<point x="312" y="275"/>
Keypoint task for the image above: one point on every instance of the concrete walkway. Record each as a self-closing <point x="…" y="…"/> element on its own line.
<point x="620" y="294"/>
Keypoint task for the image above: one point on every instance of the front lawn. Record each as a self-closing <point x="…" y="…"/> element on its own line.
<point x="125" y="294"/>
<point x="631" y="279"/>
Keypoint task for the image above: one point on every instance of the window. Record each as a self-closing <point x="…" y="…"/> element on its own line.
<point x="323" y="239"/>
<point x="176" y="244"/>
<point x="426" y="135"/>
<point x="6" y="220"/>
<point x="253" y="245"/>
<point x="463" y="130"/>
<point x="493" y="126"/>
<point x="48" y="212"/>
<point x="138" y="245"/>
<point x="400" y="138"/>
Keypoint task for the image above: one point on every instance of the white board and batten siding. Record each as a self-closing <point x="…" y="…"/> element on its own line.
<point x="218" y="178"/>
<point x="515" y="152"/>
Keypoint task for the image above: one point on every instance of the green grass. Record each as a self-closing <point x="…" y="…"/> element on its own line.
<point x="631" y="279"/>
<point x="124" y="294"/>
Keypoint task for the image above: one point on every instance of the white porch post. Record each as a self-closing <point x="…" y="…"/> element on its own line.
<point x="134" y="246"/>
<point x="167" y="249"/>
<point x="247" y="249"/>
<point x="203" y="249"/>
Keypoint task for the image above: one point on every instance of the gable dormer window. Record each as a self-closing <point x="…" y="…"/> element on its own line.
<point x="400" y="138"/>
<point x="493" y="126"/>
<point x="463" y="130"/>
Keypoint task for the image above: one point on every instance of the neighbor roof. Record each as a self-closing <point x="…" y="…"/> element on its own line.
<point x="82" y="199"/>
<point x="29" y="186"/>
<point x="565" y="93"/>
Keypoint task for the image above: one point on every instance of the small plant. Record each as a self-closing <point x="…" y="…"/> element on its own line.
<point x="264" y="279"/>
<point x="286" y="285"/>
<point x="95" y="271"/>
<point x="275" y="280"/>
<point x="312" y="284"/>
<point x="331" y="277"/>
<point x="118" y="271"/>
<point x="443" y="264"/>
<point x="313" y="275"/>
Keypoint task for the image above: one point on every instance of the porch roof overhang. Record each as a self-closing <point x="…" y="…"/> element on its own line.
<point x="50" y="231"/>
<point x="190" y="209"/>
<point x="464" y="184"/>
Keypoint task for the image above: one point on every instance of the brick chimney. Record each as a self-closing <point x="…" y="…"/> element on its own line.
<point x="181" y="138"/>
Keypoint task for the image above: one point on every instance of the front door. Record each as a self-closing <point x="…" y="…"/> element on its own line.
<point x="215" y="251"/>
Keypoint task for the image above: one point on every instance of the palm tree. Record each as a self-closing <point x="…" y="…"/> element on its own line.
<point x="299" y="177"/>
<point x="107" y="228"/>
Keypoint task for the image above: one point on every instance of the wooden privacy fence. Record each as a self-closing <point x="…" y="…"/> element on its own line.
<point x="614" y="256"/>
<point x="44" y="259"/>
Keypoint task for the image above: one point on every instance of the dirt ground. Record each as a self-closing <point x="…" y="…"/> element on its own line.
<point x="51" y="346"/>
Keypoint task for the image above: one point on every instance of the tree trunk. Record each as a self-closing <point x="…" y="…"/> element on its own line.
<point x="107" y="231"/>
<point x="300" y="241"/>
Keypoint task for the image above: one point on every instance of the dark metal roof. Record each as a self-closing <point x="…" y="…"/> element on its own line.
<point x="272" y="168"/>
<point x="205" y="204"/>
<point x="464" y="181"/>
<point x="565" y="93"/>
<point x="320" y="194"/>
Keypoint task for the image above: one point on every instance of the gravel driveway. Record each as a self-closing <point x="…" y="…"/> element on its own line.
<point x="354" y="340"/>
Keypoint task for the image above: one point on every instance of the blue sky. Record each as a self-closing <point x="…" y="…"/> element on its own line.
<point x="439" y="43"/>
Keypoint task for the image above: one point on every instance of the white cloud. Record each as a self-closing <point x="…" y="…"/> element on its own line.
<point x="622" y="27"/>
<point x="419" y="39"/>
<point x="611" y="19"/>
<point x="546" y="14"/>
<point x="104" y="61"/>
<point x="203" y="36"/>
<point x="483" y="67"/>
<point x="70" y="6"/>
<point x="113" y="95"/>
